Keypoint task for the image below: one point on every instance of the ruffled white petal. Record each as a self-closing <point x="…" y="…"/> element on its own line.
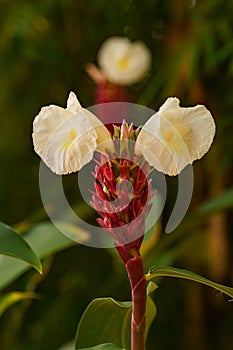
<point x="104" y="139"/>
<point x="66" y="138"/>
<point x="175" y="137"/>
<point x="124" y="62"/>
<point x="73" y="104"/>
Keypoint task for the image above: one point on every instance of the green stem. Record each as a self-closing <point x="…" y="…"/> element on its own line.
<point x="138" y="283"/>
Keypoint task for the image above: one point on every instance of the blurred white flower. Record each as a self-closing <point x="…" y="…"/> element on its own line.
<point x="124" y="62"/>
<point x="174" y="137"/>
<point x="66" y="138"/>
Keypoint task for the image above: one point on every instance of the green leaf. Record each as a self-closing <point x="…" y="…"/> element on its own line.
<point x="113" y="323"/>
<point x="13" y="297"/>
<point x="70" y="346"/>
<point x="104" y="347"/>
<point x="105" y="320"/>
<point x="180" y="273"/>
<point x="45" y="239"/>
<point x="13" y="244"/>
<point x="151" y="309"/>
<point x="151" y="312"/>
<point x="151" y="287"/>
<point x="223" y="201"/>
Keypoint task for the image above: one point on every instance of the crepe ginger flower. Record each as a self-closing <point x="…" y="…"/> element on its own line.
<point x="175" y="137"/>
<point x="122" y="61"/>
<point x="66" y="138"/>
<point x="172" y="138"/>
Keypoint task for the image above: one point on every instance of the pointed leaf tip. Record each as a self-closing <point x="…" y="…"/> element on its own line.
<point x="185" y="274"/>
<point x="14" y="245"/>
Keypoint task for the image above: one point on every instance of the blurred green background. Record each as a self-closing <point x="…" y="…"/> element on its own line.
<point x="44" y="46"/>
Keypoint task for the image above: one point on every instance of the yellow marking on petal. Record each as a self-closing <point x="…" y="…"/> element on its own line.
<point x="175" y="138"/>
<point x="72" y="135"/>
<point x="123" y="63"/>
<point x="172" y="140"/>
<point x="168" y="135"/>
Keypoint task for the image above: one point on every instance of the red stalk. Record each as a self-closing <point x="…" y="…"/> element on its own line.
<point x="137" y="280"/>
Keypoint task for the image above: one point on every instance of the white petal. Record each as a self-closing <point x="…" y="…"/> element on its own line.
<point x="104" y="139"/>
<point x="73" y="104"/>
<point x="122" y="61"/>
<point x="71" y="146"/>
<point x="45" y="124"/>
<point x="175" y="137"/>
<point x="66" y="138"/>
<point x="195" y="124"/>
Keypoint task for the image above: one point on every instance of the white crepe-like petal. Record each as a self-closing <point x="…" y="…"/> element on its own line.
<point x="175" y="137"/>
<point x="73" y="104"/>
<point x="104" y="139"/>
<point x="66" y="138"/>
<point x="124" y="62"/>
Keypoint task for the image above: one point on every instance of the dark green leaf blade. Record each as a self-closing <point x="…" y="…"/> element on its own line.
<point x="13" y="244"/>
<point x="112" y="325"/>
<point x="45" y="239"/>
<point x="185" y="274"/>
<point x="106" y="346"/>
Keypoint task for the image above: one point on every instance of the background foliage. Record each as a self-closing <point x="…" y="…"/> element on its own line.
<point x="44" y="46"/>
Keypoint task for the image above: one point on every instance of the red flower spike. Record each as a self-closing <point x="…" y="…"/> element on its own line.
<point x="99" y="191"/>
<point x="122" y="193"/>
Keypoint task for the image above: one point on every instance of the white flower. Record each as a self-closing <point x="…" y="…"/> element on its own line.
<point x="66" y="138"/>
<point x="174" y="137"/>
<point x="171" y="139"/>
<point x="123" y="62"/>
